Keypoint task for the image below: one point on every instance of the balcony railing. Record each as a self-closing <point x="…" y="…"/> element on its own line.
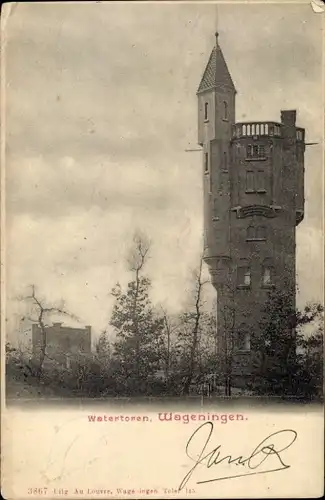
<point x="256" y="129"/>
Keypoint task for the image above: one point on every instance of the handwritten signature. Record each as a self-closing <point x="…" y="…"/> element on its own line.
<point x="271" y="446"/>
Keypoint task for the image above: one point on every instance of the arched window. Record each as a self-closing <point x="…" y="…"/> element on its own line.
<point x="267" y="276"/>
<point x="243" y="277"/>
<point x="225" y="110"/>
<point x="206" y="110"/>
<point x="268" y="273"/>
<point x="206" y="162"/>
<point x="225" y="161"/>
<point x="243" y="340"/>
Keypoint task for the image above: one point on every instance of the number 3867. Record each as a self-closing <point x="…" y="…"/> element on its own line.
<point x="37" y="491"/>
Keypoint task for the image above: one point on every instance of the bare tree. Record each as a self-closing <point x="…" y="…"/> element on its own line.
<point x="139" y="253"/>
<point x="228" y="320"/>
<point x="40" y="312"/>
<point x="194" y="318"/>
<point x="168" y="344"/>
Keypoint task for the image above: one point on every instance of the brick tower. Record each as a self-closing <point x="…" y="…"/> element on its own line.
<point x="253" y="182"/>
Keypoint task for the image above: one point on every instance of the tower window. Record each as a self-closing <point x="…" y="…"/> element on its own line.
<point x="250" y="233"/>
<point x="243" y="341"/>
<point x="261" y="233"/>
<point x="268" y="276"/>
<point x="256" y="233"/>
<point x="225" y="110"/>
<point x="225" y="161"/>
<point x="255" y="181"/>
<point x="206" y="110"/>
<point x="243" y="277"/>
<point x="206" y="162"/>
<point x="260" y="181"/>
<point x="255" y="151"/>
<point x="300" y="135"/>
<point x="250" y="185"/>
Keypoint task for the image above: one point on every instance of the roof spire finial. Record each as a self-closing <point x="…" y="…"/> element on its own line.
<point x="216" y="23"/>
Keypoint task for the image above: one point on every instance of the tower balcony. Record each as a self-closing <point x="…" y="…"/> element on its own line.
<point x="262" y="129"/>
<point x="256" y="129"/>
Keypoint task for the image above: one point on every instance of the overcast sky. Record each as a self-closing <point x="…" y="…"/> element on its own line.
<point x="100" y="107"/>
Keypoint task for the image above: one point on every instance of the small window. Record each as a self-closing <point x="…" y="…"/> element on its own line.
<point x="243" y="341"/>
<point x="225" y="161"/>
<point x="260" y="181"/>
<point x="261" y="233"/>
<point x="268" y="275"/>
<point x="206" y="162"/>
<point x="215" y="208"/>
<point x="225" y="110"/>
<point x="299" y="135"/>
<point x="250" y="233"/>
<point x="250" y="187"/>
<point x="244" y="277"/>
<point x="256" y="233"/>
<point x="255" y="151"/>
<point x="206" y="110"/>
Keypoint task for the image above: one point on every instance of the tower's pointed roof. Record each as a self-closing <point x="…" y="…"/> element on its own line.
<point x="216" y="74"/>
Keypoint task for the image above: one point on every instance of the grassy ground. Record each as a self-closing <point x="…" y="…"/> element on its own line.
<point x="20" y="393"/>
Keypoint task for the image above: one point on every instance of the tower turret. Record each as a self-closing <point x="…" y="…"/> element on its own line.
<point x="216" y="118"/>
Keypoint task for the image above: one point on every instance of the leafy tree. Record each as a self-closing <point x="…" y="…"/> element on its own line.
<point x="310" y="358"/>
<point x="102" y="366"/>
<point x="103" y="348"/>
<point x="137" y="327"/>
<point x="280" y="370"/>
